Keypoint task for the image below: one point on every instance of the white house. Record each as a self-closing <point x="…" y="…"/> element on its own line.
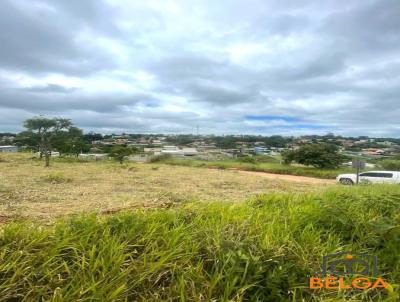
<point x="8" y="149"/>
<point x="95" y="156"/>
<point x="52" y="154"/>
<point x="189" y="151"/>
<point x="174" y="150"/>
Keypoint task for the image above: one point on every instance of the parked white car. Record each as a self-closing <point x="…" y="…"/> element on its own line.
<point x="391" y="177"/>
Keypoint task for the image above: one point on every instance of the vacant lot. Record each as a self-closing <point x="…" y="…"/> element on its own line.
<point x="264" y="248"/>
<point x="27" y="189"/>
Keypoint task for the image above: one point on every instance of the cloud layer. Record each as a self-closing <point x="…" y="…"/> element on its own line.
<point x="246" y="67"/>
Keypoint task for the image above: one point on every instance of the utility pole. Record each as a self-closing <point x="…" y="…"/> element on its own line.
<point x="358" y="164"/>
<point x="358" y="175"/>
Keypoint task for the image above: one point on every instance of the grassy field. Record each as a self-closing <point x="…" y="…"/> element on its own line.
<point x="27" y="189"/>
<point x="264" y="249"/>
<point x="270" y="167"/>
<point x="153" y="232"/>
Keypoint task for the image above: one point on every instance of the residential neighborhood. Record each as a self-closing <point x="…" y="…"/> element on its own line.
<point x="214" y="147"/>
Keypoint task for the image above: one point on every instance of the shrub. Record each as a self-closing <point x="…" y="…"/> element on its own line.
<point x="246" y="159"/>
<point x="265" y="159"/>
<point x="56" y="178"/>
<point x="160" y="158"/>
<point x="70" y="159"/>
<point x="391" y="164"/>
<point x="119" y="153"/>
<point x="321" y="156"/>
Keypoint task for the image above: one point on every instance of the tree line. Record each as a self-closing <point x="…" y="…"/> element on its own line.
<point x="44" y="134"/>
<point x="47" y="134"/>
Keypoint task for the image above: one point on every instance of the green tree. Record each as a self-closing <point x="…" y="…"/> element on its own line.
<point x="28" y="139"/>
<point x="288" y="156"/>
<point x="120" y="152"/>
<point x="322" y="156"/>
<point x="225" y="142"/>
<point x="71" y="141"/>
<point x="44" y="131"/>
<point x="80" y="146"/>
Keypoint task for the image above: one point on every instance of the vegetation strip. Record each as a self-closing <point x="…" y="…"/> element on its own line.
<point x="261" y="250"/>
<point x="269" y="167"/>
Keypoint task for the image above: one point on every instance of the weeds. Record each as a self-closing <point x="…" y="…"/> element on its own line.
<point x="160" y="158"/>
<point x="261" y="250"/>
<point x="7" y="195"/>
<point x="56" y="178"/>
<point x="254" y="164"/>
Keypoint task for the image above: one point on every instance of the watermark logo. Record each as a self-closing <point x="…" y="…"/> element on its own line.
<point x="338" y="271"/>
<point x="347" y="263"/>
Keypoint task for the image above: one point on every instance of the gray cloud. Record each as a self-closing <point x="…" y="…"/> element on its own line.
<point x="45" y="103"/>
<point x="45" y="40"/>
<point x="50" y="88"/>
<point x="169" y="66"/>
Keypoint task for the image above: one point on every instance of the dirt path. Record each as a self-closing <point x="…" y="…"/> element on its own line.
<point x="303" y="179"/>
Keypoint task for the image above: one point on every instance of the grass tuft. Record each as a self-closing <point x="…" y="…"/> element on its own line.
<point x="56" y="178"/>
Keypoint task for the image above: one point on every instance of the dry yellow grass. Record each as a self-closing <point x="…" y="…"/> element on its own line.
<point x="27" y="189"/>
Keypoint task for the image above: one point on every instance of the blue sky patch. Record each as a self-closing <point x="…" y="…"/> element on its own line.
<point x="285" y="118"/>
<point x="305" y="126"/>
<point x="152" y="105"/>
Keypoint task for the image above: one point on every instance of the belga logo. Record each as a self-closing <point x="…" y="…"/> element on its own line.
<point x="338" y="269"/>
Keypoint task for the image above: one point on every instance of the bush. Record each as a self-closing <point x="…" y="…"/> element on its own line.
<point x="160" y="158"/>
<point x="323" y="156"/>
<point x="391" y="164"/>
<point x="266" y="159"/>
<point x="119" y="153"/>
<point x="70" y="159"/>
<point x="56" y="178"/>
<point x="246" y="159"/>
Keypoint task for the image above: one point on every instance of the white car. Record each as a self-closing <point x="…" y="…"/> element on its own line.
<point x="391" y="177"/>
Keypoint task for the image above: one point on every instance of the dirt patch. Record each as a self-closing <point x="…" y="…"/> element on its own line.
<point x="4" y="219"/>
<point x="302" y="179"/>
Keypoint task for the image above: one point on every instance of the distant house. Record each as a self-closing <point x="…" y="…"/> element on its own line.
<point x="151" y="150"/>
<point x="189" y="151"/>
<point x="373" y="152"/>
<point x="52" y="154"/>
<point x="95" y="156"/>
<point x="361" y="141"/>
<point x="8" y="149"/>
<point x="175" y="151"/>
<point x="156" y="142"/>
<point x="261" y="150"/>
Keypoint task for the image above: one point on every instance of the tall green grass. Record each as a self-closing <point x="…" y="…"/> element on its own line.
<point x="261" y="250"/>
<point x="259" y="167"/>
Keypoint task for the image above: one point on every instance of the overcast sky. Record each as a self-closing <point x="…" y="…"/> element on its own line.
<point x="227" y="66"/>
